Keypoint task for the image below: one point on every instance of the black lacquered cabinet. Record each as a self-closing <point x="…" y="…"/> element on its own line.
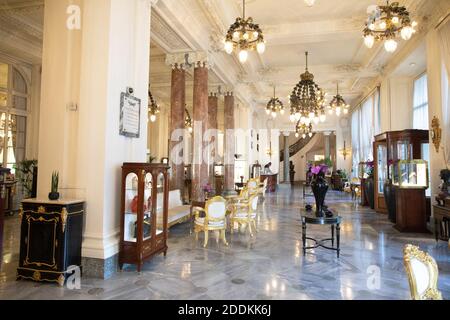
<point x="50" y="240"/>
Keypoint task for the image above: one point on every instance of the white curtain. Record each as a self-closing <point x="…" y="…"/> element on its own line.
<point x="420" y="104"/>
<point x="355" y="143"/>
<point x="444" y="37"/>
<point x="377" y="111"/>
<point x="367" y="130"/>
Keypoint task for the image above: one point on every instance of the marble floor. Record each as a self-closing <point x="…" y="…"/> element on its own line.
<point x="270" y="266"/>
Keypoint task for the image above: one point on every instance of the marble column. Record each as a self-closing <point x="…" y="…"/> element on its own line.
<point x="230" y="148"/>
<point x="176" y="126"/>
<point x="286" y="158"/>
<point x="213" y="106"/>
<point x="200" y="170"/>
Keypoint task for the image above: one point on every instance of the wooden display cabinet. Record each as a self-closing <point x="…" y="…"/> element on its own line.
<point x="389" y="148"/>
<point x="144" y="212"/>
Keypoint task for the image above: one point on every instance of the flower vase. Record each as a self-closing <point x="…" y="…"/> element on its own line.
<point x="319" y="187"/>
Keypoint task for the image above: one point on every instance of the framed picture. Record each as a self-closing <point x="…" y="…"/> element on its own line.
<point x="130" y="115"/>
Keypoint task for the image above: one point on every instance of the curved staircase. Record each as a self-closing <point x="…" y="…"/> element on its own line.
<point x="296" y="147"/>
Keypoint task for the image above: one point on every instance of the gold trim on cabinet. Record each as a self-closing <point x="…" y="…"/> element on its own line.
<point x="64" y="215"/>
<point x="20" y="212"/>
<point x="27" y="261"/>
<point x="41" y="210"/>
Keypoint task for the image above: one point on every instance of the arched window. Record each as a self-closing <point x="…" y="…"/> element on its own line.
<point x="14" y="101"/>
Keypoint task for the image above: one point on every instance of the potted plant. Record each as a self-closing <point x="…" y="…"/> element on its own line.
<point x="369" y="183"/>
<point x="26" y="175"/>
<point x="319" y="187"/>
<point x="54" y="194"/>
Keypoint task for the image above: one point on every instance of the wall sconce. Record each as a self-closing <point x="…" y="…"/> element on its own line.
<point x="345" y="152"/>
<point x="436" y="133"/>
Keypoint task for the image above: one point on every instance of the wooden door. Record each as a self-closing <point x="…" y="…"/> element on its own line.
<point x="380" y="174"/>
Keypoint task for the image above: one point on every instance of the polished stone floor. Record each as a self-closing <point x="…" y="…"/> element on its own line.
<point x="270" y="266"/>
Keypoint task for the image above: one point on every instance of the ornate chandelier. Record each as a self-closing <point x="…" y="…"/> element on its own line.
<point x="274" y="106"/>
<point x="307" y="100"/>
<point x="304" y="130"/>
<point x="386" y="23"/>
<point x="153" y="108"/>
<point x="188" y="121"/>
<point x="244" y="35"/>
<point x="338" y="104"/>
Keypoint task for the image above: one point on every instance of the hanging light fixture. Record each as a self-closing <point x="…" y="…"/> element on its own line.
<point x="153" y="108"/>
<point x="307" y="100"/>
<point x="304" y="130"/>
<point x="243" y="36"/>
<point x="274" y="106"/>
<point x="338" y="104"/>
<point x="386" y="23"/>
<point x="310" y="3"/>
<point x="188" y="121"/>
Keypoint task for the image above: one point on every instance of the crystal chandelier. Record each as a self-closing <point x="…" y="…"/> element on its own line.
<point x="307" y="100"/>
<point x="338" y="104"/>
<point x="244" y="35"/>
<point x="188" y="121"/>
<point x="274" y="106"/>
<point x="386" y="23"/>
<point x="304" y="130"/>
<point x="153" y="108"/>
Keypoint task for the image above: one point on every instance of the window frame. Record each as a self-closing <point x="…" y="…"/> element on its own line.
<point x="9" y="110"/>
<point x="414" y="107"/>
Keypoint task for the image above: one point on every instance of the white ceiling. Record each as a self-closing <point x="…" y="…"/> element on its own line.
<point x="331" y="31"/>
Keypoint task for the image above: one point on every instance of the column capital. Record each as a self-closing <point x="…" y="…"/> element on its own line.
<point x="200" y="59"/>
<point x="176" y="60"/>
<point x="187" y="60"/>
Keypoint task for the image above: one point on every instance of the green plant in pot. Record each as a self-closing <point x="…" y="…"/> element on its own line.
<point x="54" y="194"/>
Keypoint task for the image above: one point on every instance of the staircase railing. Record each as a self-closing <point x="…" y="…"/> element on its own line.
<point x="296" y="147"/>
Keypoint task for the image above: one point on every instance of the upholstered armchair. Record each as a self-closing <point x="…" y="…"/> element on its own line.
<point x="253" y="186"/>
<point x="212" y="218"/>
<point x="244" y="214"/>
<point x="422" y="273"/>
<point x="263" y="188"/>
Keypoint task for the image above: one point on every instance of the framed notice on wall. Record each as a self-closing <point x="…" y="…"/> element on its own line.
<point x="130" y="115"/>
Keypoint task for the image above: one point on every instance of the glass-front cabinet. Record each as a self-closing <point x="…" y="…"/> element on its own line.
<point x="410" y="174"/>
<point x="144" y="212"/>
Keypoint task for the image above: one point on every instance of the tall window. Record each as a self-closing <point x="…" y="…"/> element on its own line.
<point x="420" y="104"/>
<point x="365" y="122"/>
<point x="14" y="100"/>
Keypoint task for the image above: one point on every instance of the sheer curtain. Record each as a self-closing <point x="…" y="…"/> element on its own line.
<point x="355" y="142"/>
<point x="420" y="104"/>
<point x="367" y="130"/>
<point x="444" y="37"/>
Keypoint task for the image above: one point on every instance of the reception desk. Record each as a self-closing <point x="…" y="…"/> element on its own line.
<point x="272" y="181"/>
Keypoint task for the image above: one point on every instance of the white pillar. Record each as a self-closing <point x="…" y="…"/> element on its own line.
<point x="90" y="68"/>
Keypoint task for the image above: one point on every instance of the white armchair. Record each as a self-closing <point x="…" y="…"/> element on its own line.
<point x="212" y="218"/>
<point x="422" y="273"/>
<point x="244" y="214"/>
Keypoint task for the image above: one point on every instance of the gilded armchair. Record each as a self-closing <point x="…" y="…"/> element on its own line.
<point x="422" y="273"/>
<point x="244" y="214"/>
<point x="263" y="188"/>
<point x="213" y="219"/>
<point x="253" y="186"/>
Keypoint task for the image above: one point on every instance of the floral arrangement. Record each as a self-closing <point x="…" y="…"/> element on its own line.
<point x="320" y="169"/>
<point x="370" y="165"/>
<point x="207" y="188"/>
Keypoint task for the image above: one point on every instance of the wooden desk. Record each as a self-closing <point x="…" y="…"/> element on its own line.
<point x="441" y="223"/>
<point x="272" y="182"/>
